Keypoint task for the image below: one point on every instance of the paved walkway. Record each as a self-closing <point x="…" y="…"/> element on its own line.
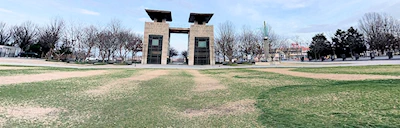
<point x="286" y="64"/>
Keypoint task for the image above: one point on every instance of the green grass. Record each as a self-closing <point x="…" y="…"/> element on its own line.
<point x="374" y="70"/>
<point x="281" y="101"/>
<point x="334" y="104"/>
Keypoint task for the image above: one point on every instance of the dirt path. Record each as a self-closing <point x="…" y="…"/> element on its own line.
<point x="205" y="83"/>
<point x="147" y="75"/>
<point x="47" y="76"/>
<point x="286" y="71"/>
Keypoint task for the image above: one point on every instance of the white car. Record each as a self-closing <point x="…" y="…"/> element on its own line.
<point x="91" y="59"/>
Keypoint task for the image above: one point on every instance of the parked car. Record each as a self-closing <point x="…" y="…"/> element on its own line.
<point x="91" y="59"/>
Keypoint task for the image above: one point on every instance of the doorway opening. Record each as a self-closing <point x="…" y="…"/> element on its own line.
<point x="179" y="42"/>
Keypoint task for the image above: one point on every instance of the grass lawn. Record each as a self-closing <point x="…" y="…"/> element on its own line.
<point x="334" y="104"/>
<point x="374" y="70"/>
<point x="266" y="100"/>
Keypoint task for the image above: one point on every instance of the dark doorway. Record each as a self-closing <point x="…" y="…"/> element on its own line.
<point x="154" y="49"/>
<point x="202" y="51"/>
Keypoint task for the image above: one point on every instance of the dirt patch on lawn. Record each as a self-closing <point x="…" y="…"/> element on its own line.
<point x="257" y="79"/>
<point x="48" y="76"/>
<point x="30" y="113"/>
<point x="230" y="108"/>
<point x="286" y="71"/>
<point x="205" y="83"/>
<point x="119" y="83"/>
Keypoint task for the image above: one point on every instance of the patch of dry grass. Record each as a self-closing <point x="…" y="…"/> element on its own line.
<point x="126" y="83"/>
<point x="230" y="108"/>
<point x="48" y="76"/>
<point x="27" y="113"/>
<point x="204" y="82"/>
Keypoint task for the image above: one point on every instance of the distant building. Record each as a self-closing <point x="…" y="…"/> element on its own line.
<point x="9" y="51"/>
<point x="294" y="52"/>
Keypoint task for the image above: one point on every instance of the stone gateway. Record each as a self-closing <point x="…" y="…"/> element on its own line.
<point x="157" y="38"/>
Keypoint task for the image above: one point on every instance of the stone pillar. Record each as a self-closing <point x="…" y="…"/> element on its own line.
<point x="201" y="31"/>
<point x="156" y="28"/>
<point x="266" y="50"/>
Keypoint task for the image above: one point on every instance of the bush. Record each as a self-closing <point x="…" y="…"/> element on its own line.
<point x="52" y="60"/>
<point x="128" y="62"/>
<point x="111" y="62"/>
<point x="81" y="62"/>
<point x="99" y="63"/>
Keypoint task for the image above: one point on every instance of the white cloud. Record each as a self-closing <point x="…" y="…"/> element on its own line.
<point x="5" y="10"/>
<point x="295" y="6"/>
<point x="283" y="4"/>
<point x="143" y="19"/>
<point x="88" y="12"/>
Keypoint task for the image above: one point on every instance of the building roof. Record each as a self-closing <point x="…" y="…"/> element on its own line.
<point x="200" y="17"/>
<point x="159" y="14"/>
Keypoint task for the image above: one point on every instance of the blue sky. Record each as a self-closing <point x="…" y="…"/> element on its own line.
<point x="303" y="18"/>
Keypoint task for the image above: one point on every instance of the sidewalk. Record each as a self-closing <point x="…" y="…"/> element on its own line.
<point x="284" y="64"/>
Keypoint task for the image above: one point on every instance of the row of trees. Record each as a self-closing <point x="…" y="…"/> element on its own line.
<point x="58" y="39"/>
<point x="231" y="44"/>
<point x="344" y="43"/>
<point x="381" y="31"/>
<point x="378" y="32"/>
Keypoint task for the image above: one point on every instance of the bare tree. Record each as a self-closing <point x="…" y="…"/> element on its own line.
<point x="185" y="55"/>
<point x="122" y="40"/>
<point x="379" y="30"/>
<point x="248" y="41"/>
<point x="25" y="35"/>
<point x="226" y="40"/>
<point x="172" y="52"/>
<point x="114" y="28"/>
<point x="5" y="34"/>
<point x="50" y="35"/>
<point x="104" y="42"/>
<point x="89" y="39"/>
<point x="134" y="44"/>
<point x="73" y="39"/>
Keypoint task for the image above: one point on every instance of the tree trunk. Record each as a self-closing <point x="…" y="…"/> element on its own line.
<point x="88" y="54"/>
<point x="224" y="57"/>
